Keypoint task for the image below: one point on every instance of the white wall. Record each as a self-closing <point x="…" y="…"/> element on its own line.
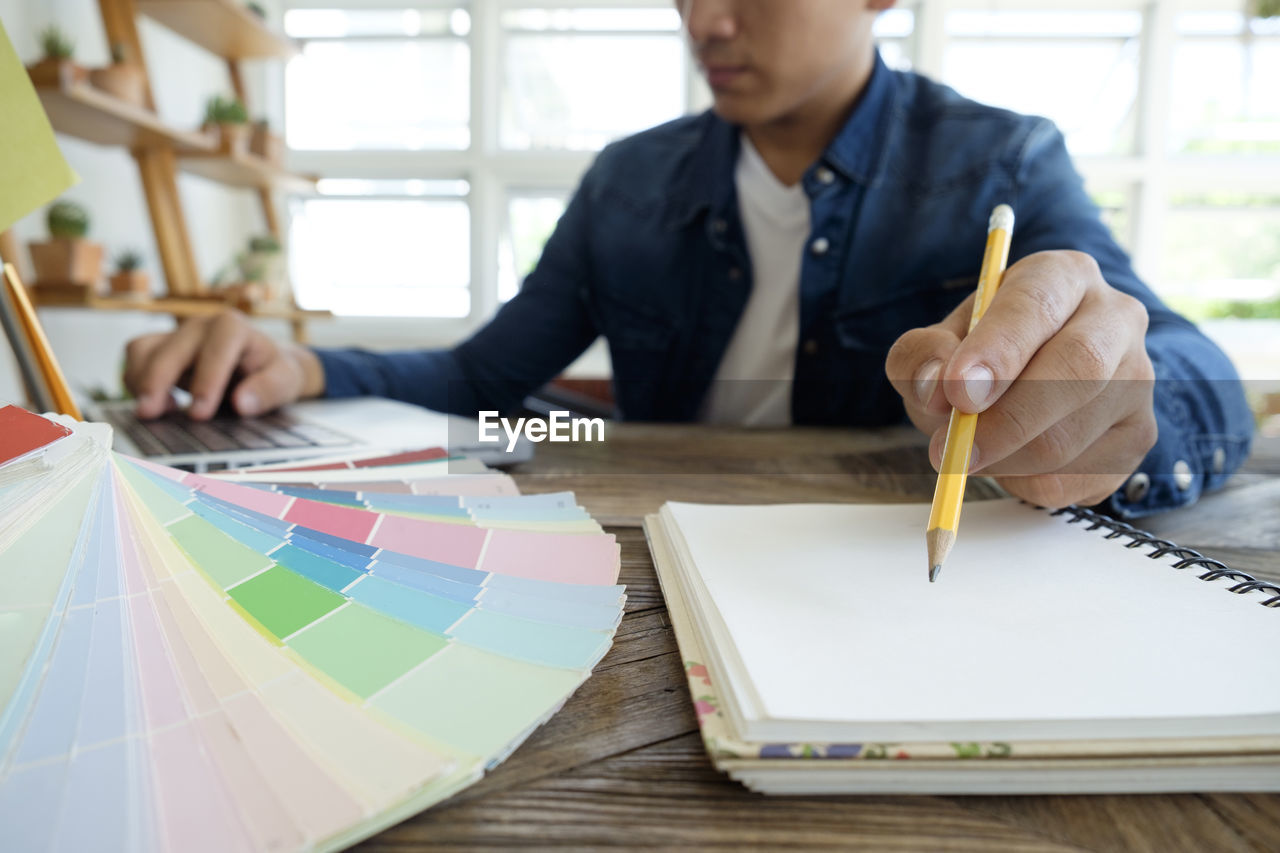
<point x="90" y="343"/>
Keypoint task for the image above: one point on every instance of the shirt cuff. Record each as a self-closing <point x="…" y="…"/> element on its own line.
<point x="1184" y="462"/>
<point x="343" y="371"/>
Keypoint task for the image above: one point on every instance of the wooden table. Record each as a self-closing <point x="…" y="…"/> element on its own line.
<point x="622" y="764"/>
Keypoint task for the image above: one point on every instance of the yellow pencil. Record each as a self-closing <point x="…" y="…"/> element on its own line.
<point x="54" y="379"/>
<point x="944" y="518"/>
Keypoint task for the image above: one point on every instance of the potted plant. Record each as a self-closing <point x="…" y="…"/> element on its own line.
<point x="262" y="263"/>
<point x="267" y="145"/>
<point x="122" y="78"/>
<point x="56" y="68"/>
<point x="254" y="276"/>
<point x="129" y="279"/>
<point x="257" y="9"/>
<point x="67" y="259"/>
<point x="227" y="118"/>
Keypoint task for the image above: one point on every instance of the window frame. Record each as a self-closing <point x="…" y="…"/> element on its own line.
<point x="1150" y="175"/>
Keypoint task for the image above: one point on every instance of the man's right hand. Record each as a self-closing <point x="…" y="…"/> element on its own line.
<point x="203" y="354"/>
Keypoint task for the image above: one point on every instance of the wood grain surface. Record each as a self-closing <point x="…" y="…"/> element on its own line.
<point x="622" y="765"/>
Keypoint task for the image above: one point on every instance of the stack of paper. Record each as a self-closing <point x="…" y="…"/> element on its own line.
<point x="196" y="663"/>
<point x="1049" y="658"/>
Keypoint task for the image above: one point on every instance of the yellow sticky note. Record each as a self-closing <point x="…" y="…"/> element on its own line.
<point x="32" y="169"/>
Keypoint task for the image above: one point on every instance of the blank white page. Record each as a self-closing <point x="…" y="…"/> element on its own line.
<point x="1035" y="628"/>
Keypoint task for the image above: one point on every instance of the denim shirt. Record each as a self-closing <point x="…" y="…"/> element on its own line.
<point x="650" y="253"/>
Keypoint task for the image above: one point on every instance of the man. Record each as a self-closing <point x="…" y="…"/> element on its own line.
<point x="769" y="262"/>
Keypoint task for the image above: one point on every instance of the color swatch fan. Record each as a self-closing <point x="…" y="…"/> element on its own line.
<point x="210" y="664"/>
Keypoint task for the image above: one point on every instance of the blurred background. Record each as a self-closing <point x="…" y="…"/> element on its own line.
<point x="447" y="136"/>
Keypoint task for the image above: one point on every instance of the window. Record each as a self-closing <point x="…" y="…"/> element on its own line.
<point x="1116" y="204"/>
<point x="578" y="78"/>
<point x="1225" y="69"/>
<point x="378" y="80"/>
<point x="461" y="127"/>
<point x="365" y="247"/>
<point x="531" y="217"/>
<point x="894" y="32"/>
<point x="1079" y="68"/>
<point x="1221" y="252"/>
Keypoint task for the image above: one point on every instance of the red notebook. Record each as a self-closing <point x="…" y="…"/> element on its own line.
<point x="22" y="432"/>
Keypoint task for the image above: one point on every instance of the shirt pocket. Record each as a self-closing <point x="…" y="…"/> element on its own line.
<point x="873" y="327"/>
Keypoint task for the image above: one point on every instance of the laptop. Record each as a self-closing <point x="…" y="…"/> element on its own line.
<point x="299" y="431"/>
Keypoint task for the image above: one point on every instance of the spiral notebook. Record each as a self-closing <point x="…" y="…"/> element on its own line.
<point x="1061" y="652"/>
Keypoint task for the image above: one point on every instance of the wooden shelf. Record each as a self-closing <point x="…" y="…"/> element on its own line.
<point x="233" y="33"/>
<point x="224" y="27"/>
<point x="175" y="305"/>
<point x="84" y="112"/>
<point x="285" y="312"/>
<point x="244" y="170"/>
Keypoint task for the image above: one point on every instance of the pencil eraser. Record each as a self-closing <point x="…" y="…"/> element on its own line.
<point x="1001" y="217"/>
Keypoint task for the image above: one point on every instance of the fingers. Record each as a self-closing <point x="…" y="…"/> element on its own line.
<point x="1037" y="296"/>
<point x="1094" y="475"/>
<point x="1078" y="371"/>
<point x="273" y="380"/>
<point x="160" y="365"/>
<point x="1063" y="442"/>
<point x="915" y="364"/>
<point x="224" y="343"/>
<point x="208" y="348"/>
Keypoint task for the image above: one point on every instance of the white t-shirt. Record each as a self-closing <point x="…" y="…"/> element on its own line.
<point x="753" y="383"/>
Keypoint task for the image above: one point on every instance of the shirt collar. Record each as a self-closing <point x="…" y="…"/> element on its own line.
<point x="856" y="152"/>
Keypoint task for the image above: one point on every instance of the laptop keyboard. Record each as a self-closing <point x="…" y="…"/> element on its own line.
<point x="175" y="433"/>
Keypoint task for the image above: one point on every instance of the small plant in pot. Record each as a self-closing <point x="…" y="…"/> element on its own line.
<point x="56" y="67"/>
<point x="122" y="78"/>
<point x="267" y="145"/>
<point x="129" y="278"/>
<point x="227" y="118"/>
<point x="255" y="275"/>
<point x="262" y="263"/>
<point x="67" y="260"/>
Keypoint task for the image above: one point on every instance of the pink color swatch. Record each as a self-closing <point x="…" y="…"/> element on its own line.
<point x="560" y="557"/>
<point x="455" y="544"/>
<point x="344" y="521"/>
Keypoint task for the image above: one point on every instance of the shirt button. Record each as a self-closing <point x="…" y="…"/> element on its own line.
<point x="1137" y="487"/>
<point x="1182" y="476"/>
<point x="820" y="246"/>
<point x="811" y="347"/>
<point x="735" y="273"/>
<point x="1219" y="460"/>
<point x="719" y="226"/>
<point x="824" y="175"/>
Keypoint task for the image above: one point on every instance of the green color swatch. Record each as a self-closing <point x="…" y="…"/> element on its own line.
<point x="158" y="501"/>
<point x="284" y="602"/>
<point x="364" y="650"/>
<point x="504" y="697"/>
<point x="226" y="560"/>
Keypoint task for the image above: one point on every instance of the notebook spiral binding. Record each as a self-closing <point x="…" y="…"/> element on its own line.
<point x="1187" y="557"/>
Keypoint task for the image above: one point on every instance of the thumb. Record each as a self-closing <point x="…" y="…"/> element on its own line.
<point x="277" y="383"/>
<point x="916" y="361"/>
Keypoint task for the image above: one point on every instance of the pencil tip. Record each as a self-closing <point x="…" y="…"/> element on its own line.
<point x="934" y="571"/>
